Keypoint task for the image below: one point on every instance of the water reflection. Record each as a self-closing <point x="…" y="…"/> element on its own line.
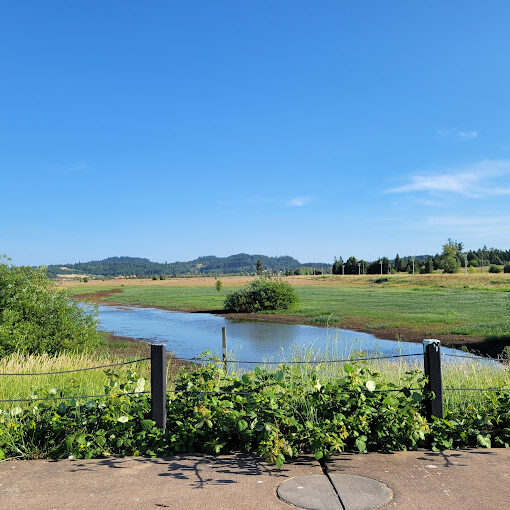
<point x="189" y="334"/>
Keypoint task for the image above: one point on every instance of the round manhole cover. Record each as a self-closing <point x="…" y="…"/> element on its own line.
<point x="342" y="492"/>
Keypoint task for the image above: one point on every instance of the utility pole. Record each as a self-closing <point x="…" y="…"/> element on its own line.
<point x="359" y="268"/>
<point x="465" y="263"/>
<point x="343" y="269"/>
<point x="413" y="265"/>
<point x="380" y="262"/>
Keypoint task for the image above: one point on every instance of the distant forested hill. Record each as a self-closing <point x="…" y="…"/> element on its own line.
<point x="234" y="264"/>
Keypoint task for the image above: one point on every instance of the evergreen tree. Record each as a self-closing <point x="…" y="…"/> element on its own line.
<point x="337" y="266"/>
<point x="398" y="263"/>
<point x="259" y="267"/>
<point x="351" y="266"/>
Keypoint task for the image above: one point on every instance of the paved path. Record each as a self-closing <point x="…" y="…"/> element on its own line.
<point x="423" y="480"/>
<point x="478" y="479"/>
<point x="229" y="482"/>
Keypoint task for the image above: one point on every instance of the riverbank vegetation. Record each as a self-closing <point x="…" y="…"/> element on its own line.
<point x="277" y="413"/>
<point x="471" y="310"/>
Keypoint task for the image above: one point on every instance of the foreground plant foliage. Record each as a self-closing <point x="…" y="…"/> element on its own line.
<point x="277" y="414"/>
<point x="36" y="318"/>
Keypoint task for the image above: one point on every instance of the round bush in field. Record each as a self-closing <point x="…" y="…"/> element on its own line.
<point x="495" y="269"/>
<point x="262" y="294"/>
<point x="507" y="267"/>
<point x="35" y="317"/>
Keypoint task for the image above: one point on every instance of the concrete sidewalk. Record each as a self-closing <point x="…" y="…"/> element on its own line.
<point x="424" y="480"/>
<point x="418" y="480"/>
<point x="228" y="482"/>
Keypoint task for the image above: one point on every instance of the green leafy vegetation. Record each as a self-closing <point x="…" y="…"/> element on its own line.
<point x="261" y="294"/>
<point x="278" y="414"/>
<point x="36" y="318"/>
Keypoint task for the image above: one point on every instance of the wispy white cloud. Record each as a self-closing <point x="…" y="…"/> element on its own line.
<point x="298" y="201"/>
<point x="280" y="202"/>
<point x="458" y="134"/>
<point x="483" y="227"/>
<point x="475" y="181"/>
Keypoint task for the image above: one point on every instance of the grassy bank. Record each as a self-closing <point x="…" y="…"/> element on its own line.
<point x="83" y="382"/>
<point x="469" y="373"/>
<point x="472" y="309"/>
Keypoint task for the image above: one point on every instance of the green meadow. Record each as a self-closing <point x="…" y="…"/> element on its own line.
<point x="458" y="309"/>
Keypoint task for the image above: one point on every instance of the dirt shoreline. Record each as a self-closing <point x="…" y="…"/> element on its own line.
<point x="402" y="334"/>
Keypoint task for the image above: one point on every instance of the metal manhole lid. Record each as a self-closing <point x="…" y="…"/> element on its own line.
<point x="336" y="491"/>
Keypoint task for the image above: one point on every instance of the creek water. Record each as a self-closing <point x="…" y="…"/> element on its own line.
<point x="189" y="334"/>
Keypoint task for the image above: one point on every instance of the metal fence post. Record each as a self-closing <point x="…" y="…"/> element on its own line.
<point x="158" y="385"/>
<point x="432" y="366"/>
<point x="224" y="347"/>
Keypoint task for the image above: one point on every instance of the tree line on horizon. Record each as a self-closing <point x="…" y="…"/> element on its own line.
<point x="450" y="260"/>
<point x="238" y="264"/>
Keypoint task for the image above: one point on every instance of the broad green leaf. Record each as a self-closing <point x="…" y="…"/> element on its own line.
<point x="484" y="441"/>
<point x="280" y="459"/>
<point x="361" y="445"/>
<point x="370" y="385"/>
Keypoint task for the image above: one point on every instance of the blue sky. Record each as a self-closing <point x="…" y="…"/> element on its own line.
<point x="172" y="130"/>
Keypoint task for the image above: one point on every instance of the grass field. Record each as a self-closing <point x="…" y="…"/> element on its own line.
<point x="470" y="309"/>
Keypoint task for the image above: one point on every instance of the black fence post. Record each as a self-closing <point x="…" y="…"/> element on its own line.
<point x="224" y="347"/>
<point x="432" y="366"/>
<point x="158" y="385"/>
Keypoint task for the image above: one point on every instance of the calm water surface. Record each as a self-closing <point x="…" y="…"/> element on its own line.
<point x="189" y="334"/>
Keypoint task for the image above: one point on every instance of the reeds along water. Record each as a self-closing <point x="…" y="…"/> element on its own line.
<point x="468" y="372"/>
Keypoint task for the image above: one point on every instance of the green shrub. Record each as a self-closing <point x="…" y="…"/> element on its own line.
<point x="35" y="317"/>
<point x="507" y="267"/>
<point x="383" y="279"/>
<point x="495" y="269"/>
<point x="218" y="285"/>
<point x="261" y="294"/>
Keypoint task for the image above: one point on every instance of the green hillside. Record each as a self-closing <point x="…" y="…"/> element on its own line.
<point x="234" y="264"/>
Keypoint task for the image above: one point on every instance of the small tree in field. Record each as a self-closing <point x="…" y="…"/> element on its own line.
<point x="259" y="267"/>
<point x="219" y="285"/>
<point x="507" y="267"/>
<point x="449" y="257"/>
